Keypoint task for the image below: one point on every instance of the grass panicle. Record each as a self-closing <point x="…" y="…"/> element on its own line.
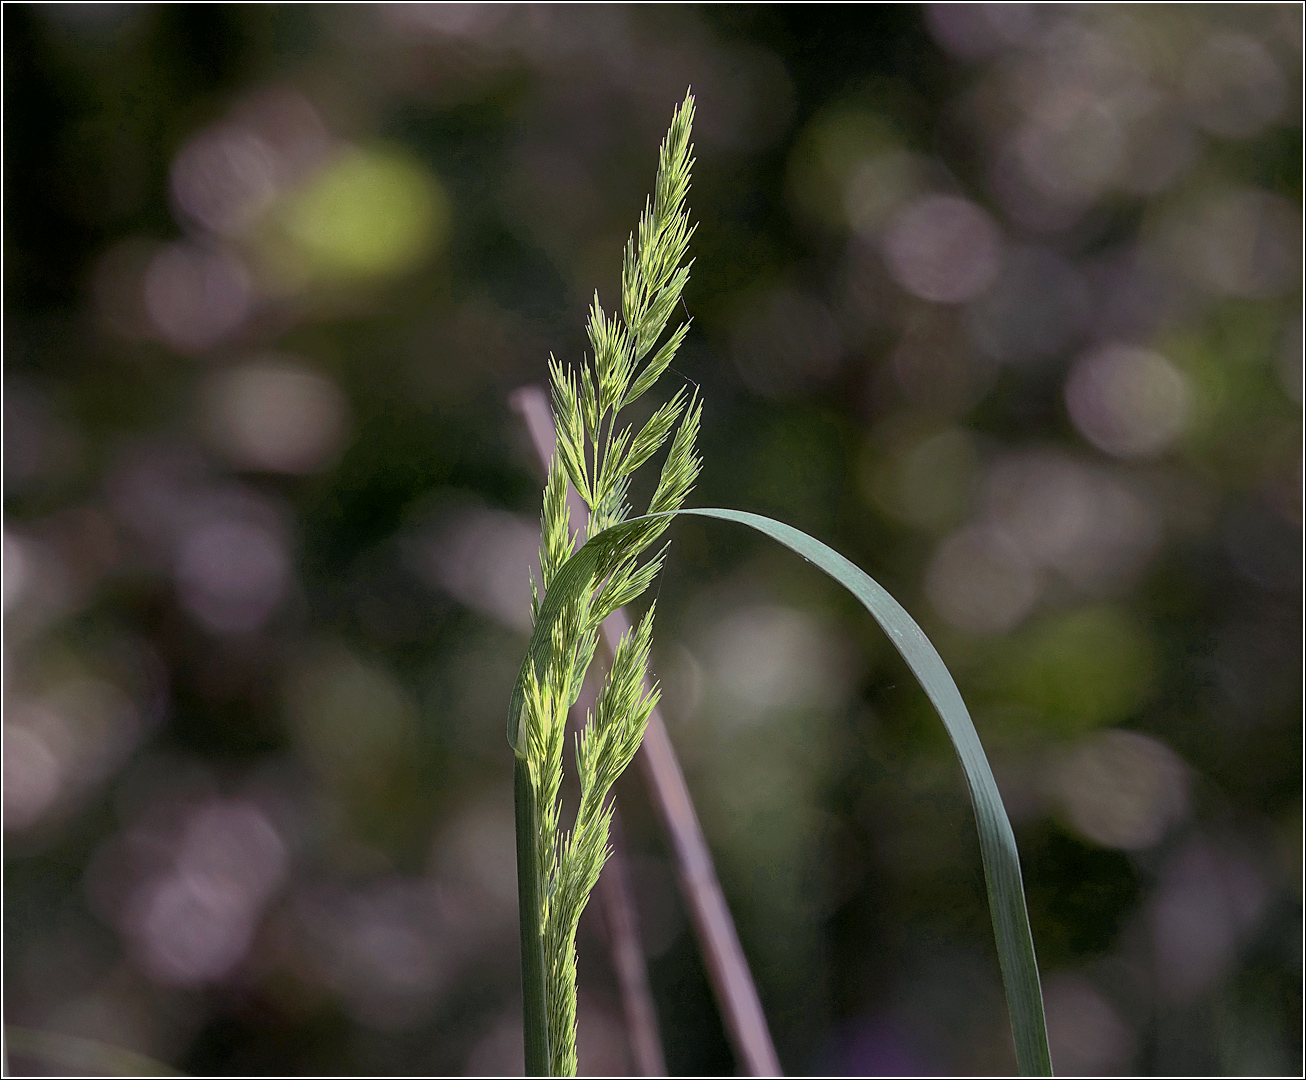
<point x="598" y="456"/>
<point x="557" y="872"/>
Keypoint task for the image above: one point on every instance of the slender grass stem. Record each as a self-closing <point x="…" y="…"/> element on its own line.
<point x="534" y="996"/>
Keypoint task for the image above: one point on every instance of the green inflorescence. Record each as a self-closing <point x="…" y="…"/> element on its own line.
<point x="598" y="458"/>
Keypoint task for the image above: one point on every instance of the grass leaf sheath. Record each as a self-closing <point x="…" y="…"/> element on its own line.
<point x="582" y="587"/>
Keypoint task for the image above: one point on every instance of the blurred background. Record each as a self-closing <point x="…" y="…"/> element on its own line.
<point x="1001" y="301"/>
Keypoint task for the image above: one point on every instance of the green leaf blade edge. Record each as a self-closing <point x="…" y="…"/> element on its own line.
<point x="997" y="841"/>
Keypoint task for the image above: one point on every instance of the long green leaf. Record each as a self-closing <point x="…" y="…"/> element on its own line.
<point x="997" y="841"/>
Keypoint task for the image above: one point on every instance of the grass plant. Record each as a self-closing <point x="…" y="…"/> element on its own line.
<point x="581" y="586"/>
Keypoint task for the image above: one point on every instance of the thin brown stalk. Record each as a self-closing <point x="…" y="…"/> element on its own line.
<point x="723" y="956"/>
<point x="617" y="898"/>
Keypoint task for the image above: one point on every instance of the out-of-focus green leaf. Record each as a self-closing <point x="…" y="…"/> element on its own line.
<point x="366" y="214"/>
<point x="1079" y="670"/>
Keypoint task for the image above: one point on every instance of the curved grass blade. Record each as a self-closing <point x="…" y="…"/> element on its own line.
<point x="997" y="841"/>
